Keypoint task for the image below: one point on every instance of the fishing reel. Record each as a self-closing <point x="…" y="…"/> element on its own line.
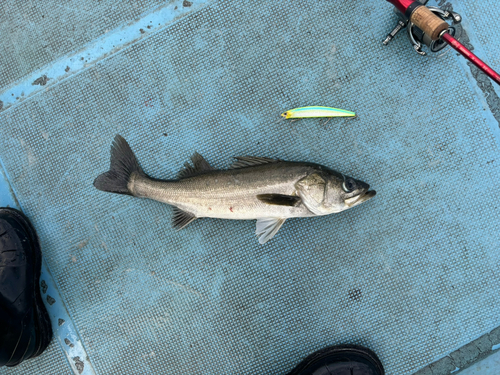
<point x="419" y="38"/>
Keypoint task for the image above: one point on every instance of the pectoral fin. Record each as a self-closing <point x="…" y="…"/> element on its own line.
<point x="279" y="199"/>
<point x="267" y="228"/>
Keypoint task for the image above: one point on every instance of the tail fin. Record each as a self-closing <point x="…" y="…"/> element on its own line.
<point x="123" y="164"/>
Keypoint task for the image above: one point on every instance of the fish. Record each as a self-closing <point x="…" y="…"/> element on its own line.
<point x="253" y="188"/>
<point x="316" y="111"/>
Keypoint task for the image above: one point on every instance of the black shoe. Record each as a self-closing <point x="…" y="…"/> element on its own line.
<point x="25" y="329"/>
<point x="340" y="360"/>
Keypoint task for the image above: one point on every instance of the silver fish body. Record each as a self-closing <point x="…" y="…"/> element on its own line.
<point x="268" y="190"/>
<point x="231" y="194"/>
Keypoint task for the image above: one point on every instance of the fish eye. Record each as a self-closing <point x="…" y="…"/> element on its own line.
<point x="349" y="185"/>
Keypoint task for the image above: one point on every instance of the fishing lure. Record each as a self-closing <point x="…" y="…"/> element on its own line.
<point x="316" y="111"/>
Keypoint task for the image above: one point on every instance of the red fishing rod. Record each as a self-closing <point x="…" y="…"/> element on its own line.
<point x="428" y="26"/>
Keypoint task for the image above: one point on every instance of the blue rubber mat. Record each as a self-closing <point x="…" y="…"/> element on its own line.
<point x="35" y="34"/>
<point x="412" y="274"/>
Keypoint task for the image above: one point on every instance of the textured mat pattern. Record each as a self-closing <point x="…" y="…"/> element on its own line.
<point x="52" y="361"/>
<point x="36" y="33"/>
<point x="398" y="274"/>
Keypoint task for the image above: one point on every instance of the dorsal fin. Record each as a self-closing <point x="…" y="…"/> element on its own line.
<point x="251" y="161"/>
<point x="200" y="166"/>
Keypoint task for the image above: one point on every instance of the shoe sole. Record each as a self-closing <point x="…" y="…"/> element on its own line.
<point x="339" y="349"/>
<point x="43" y="325"/>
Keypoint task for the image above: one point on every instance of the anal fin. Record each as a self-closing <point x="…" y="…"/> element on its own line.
<point x="182" y="218"/>
<point x="268" y="227"/>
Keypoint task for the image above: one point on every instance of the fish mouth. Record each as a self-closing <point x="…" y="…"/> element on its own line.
<point x="361" y="198"/>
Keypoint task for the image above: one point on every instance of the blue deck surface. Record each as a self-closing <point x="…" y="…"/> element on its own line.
<point x="413" y="273"/>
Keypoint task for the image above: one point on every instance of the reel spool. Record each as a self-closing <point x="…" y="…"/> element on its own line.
<point x="419" y="38"/>
<point x="430" y="26"/>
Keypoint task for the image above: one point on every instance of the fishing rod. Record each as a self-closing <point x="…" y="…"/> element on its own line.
<point x="428" y="26"/>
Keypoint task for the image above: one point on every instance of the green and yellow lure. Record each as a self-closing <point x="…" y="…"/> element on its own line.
<point x="316" y="111"/>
